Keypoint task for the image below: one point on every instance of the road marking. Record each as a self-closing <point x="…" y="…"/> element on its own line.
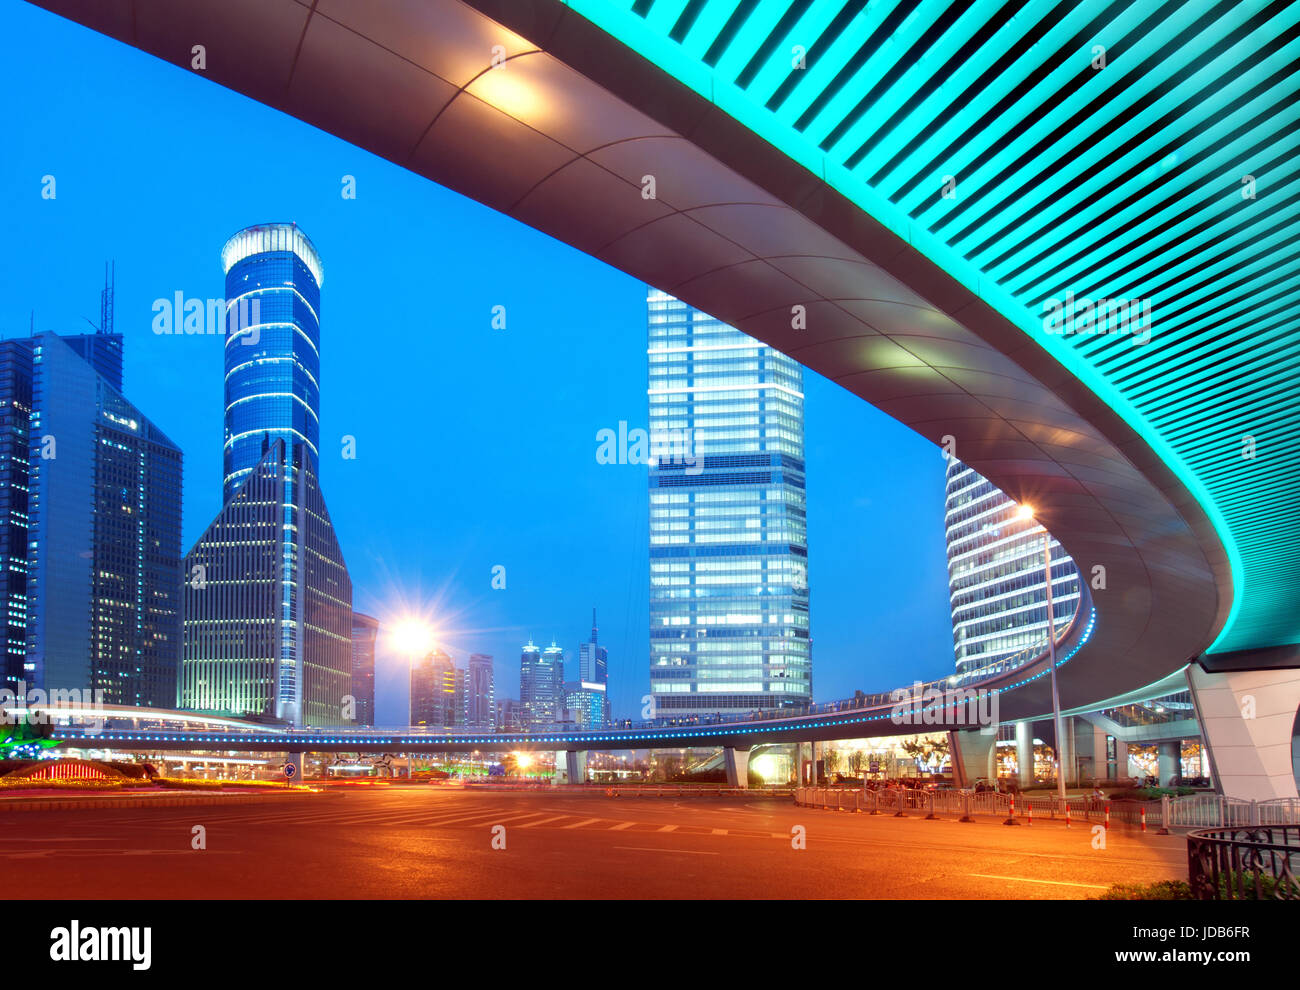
<point x="1055" y="883"/>
<point x="544" y="821"/>
<point x="668" y="828"/>
<point x="622" y="825"/>
<point x="723" y="831"/>
<point x="668" y="849"/>
<point x="589" y="821"/>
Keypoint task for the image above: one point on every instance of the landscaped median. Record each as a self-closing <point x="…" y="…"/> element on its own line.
<point x="173" y="794"/>
<point x="51" y="785"/>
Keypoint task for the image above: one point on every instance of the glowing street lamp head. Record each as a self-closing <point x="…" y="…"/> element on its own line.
<point x="1025" y="512"/>
<point x="413" y="637"/>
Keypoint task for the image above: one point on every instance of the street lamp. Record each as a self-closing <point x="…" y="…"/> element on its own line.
<point x="1027" y="513"/>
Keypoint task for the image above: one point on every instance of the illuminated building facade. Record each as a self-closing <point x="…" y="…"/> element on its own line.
<point x="15" y="416"/>
<point x="996" y="575"/>
<point x="268" y="617"/>
<point x="480" y="693"/>
<point x="541" y="685"/>
<point x="104" y="560"/>
<point x="272" y="362"/>
<point x="365" y="632"/>
<point x="437" y="691"/>
<point x="728" y="524"/>
<point x="586" y="704"/>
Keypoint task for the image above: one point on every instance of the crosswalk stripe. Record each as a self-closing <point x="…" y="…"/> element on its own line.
<point x="622" y="825"/>
<point x="589" y="821"/>
<point x="723" y="831"/>
<point x="668" y="828"/>
<point x="545" y="821"/>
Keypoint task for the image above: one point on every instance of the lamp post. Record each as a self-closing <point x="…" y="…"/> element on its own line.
<point x="1027" y="512"/>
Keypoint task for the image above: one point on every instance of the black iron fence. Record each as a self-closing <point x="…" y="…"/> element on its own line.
<point x="1252" y="863"/>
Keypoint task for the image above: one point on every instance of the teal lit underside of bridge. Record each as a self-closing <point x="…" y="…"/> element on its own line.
<point x="1128" y="180"/>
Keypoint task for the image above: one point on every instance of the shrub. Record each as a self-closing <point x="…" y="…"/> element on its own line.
<point x="1161" y="890"/>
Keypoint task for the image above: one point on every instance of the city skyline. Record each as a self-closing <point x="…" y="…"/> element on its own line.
<point x="892" y="578"/>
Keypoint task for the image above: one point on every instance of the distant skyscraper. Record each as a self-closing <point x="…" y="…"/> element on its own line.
<point x="268" y="616"/>
<point x="480" y="693"/>
<point x="510" y="716"/>
<point x="995" y="573"/>
<point x="365" y="631"/>
<point x="593" y="659"/>
<point x="437" y="691"/>
<point x="728" y="523"/>
<point x="15" y="418"/>
<point x="541" y="684"/>
<point x="588" y="697"/>
<point x="424" y="691"/>
<point x="104" y="541"/>
<point x="586" y="704"/>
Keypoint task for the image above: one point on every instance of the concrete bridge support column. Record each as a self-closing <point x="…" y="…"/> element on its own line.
<point x="973" y="755"/>
<point x="1169" y="761"/>
<point x="575" y="765"/>
<point x="804" y="759"/>
<point x="294" y="759"/>
<point x="736" y="760"/>
<point x="1248" y="720"/>
<point x="1025" y="752"/>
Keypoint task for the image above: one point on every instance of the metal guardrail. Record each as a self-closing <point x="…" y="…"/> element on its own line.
<point x="1189" y="811"/>
<point x="1211" y="810"/>
<point x="1257" y="862"/>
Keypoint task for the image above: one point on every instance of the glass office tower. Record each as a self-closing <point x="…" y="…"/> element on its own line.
<point x="480" y="693"/>
<point x="587" y="698"/>
<point x="15" y="416"/>
<point x="104" y="560"/>
<point x="365" y="632"/>
<point x="272" y="361"/>
<point x="728" y="523"/>
<point x="996" y="574"/>
<point x="541" y="685"/>
<point x="268" y="600"/>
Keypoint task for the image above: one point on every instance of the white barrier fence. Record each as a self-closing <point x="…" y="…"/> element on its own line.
<point x="1189" y="811"/>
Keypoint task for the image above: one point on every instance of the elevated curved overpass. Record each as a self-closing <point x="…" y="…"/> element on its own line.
<point x="819" y="189"/>
<point x="938" y="706"/>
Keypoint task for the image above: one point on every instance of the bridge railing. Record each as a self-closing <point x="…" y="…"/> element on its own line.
<point x="151" y="723"/>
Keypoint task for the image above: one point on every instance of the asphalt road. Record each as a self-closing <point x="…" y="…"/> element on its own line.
<point x="434" y="842"/>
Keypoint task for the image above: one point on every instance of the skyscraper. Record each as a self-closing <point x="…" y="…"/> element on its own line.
<point x="424" y="691"/>
<point x="728" y="525"/>
<point x="15" y="417"/>
<point x="588" y="697"/>
<point x="104" y="562"/>
<point x="268" y="600"/>
<point x="437" y="691"/>
<point x="995" y="573"/>
<point x="272" y="377"/>
<point x="541" y="684"/>
<point x="480" y="693"/>
<point x="365" y="631"/>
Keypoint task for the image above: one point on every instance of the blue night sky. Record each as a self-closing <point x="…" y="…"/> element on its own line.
<point x="474" y="446"/>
